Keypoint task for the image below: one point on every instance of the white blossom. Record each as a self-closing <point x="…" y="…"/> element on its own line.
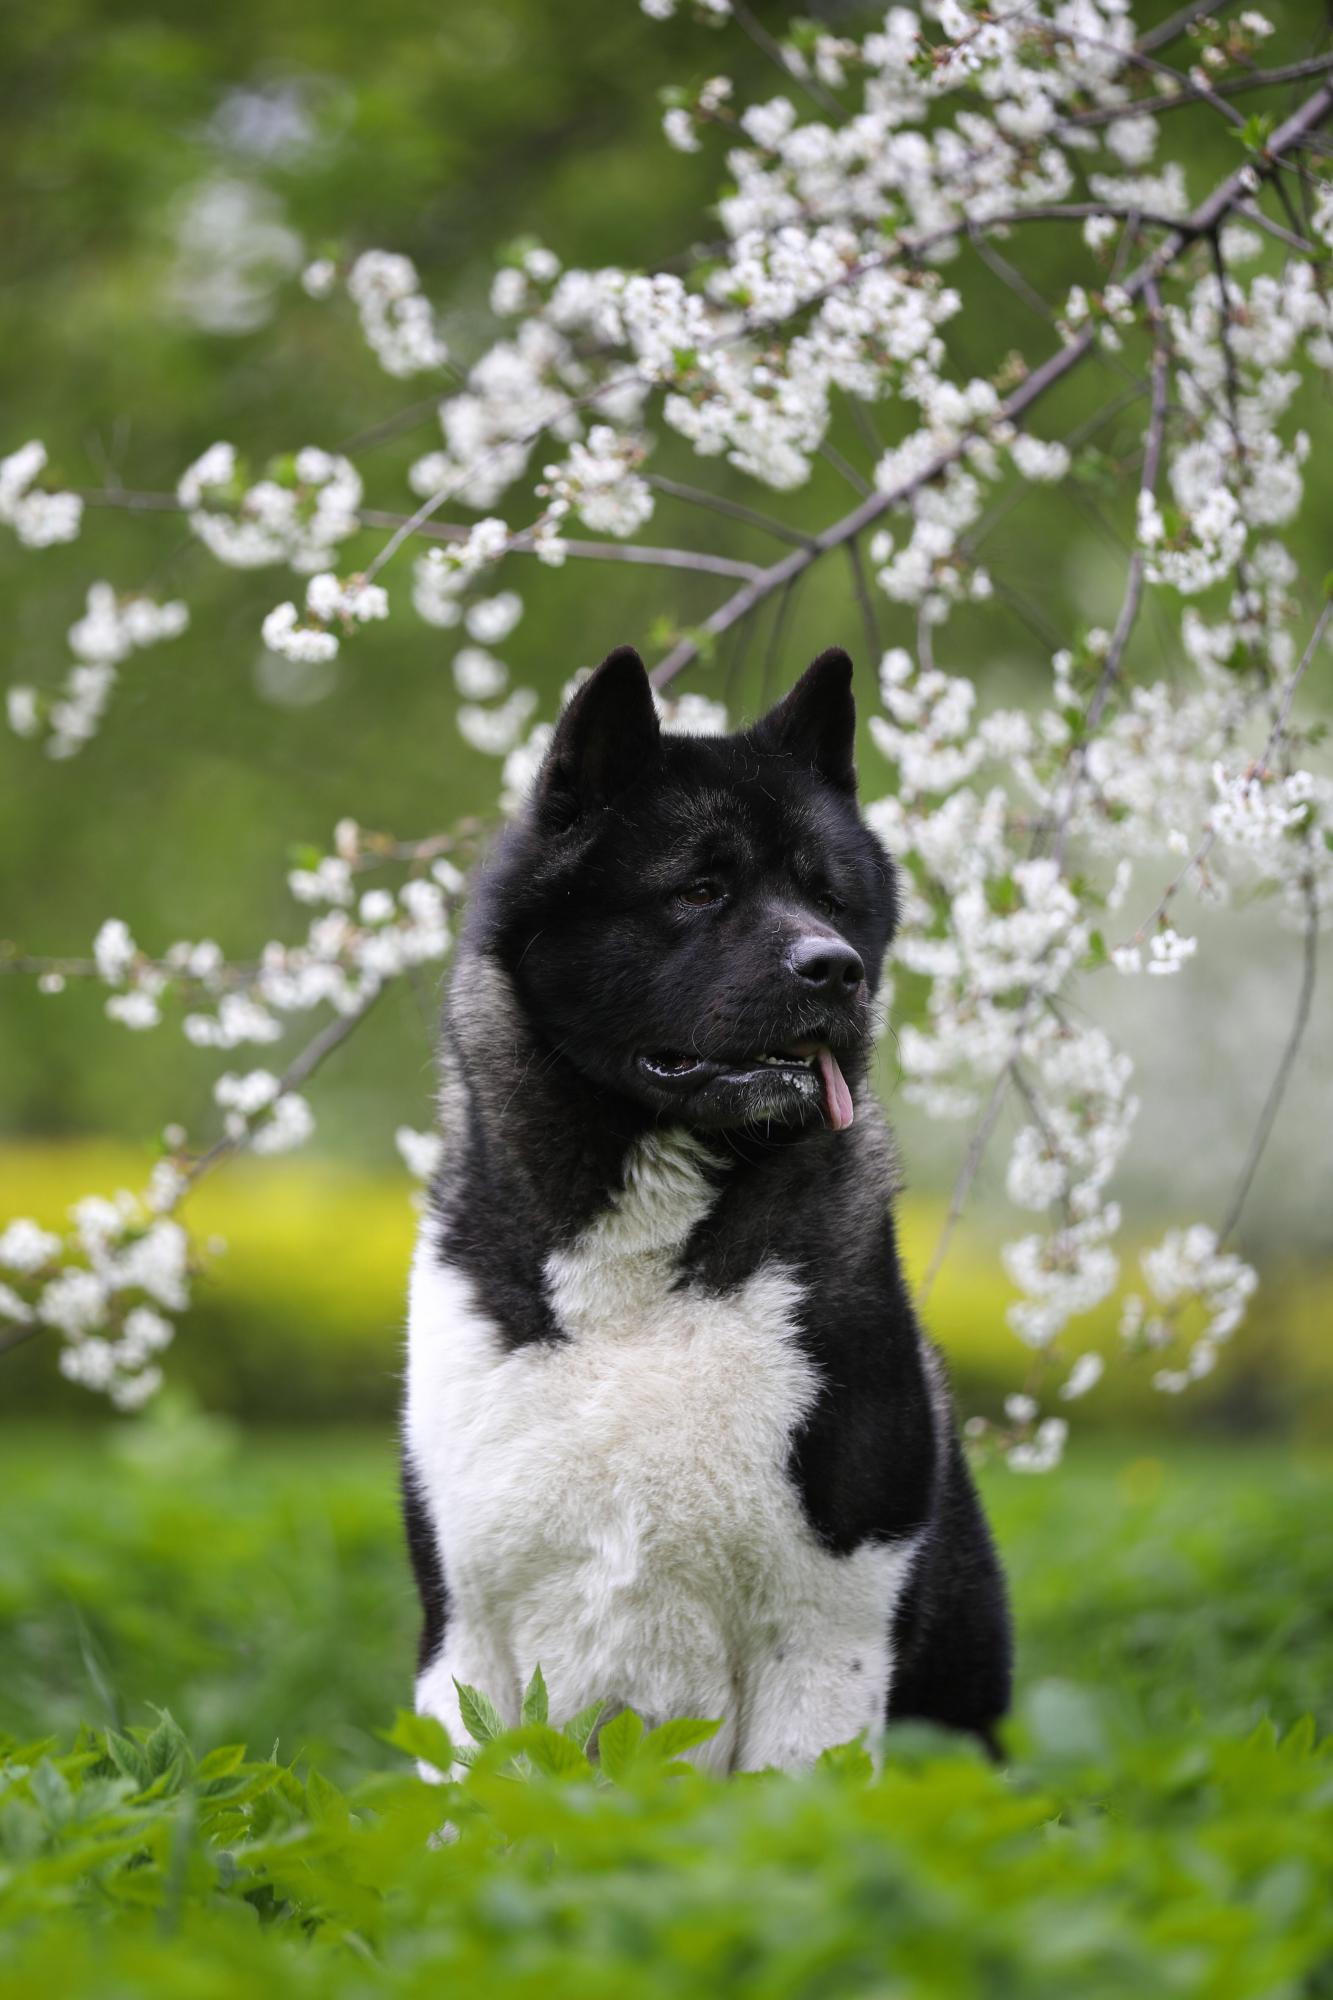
<point x="396" y="320"/>
<point x="24" y="1246"/>
<point x="490" y="620"/>
<point x="289" y="1125"/>
<point x="1043" y="1451"/>
<point x="421" y="1151"/>
<point x="38" y="518"/>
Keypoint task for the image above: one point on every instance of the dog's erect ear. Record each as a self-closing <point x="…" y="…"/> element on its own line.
<point x="602" y="742"/>
<point x="816" y="723"/>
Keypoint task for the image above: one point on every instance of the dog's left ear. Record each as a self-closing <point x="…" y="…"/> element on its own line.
<point x="816" y="723"/>
<point x="606" y="736"/>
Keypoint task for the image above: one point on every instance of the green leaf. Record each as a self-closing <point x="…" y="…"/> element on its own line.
<point x="551" y="1750"/>
<point x="1255" y="133"/>
<point x="481" y="1718"/>
<point x="849" y="1760"/>
<point x="618" y="1744"/>
<point x="670" y="1739"/>
<point x="580" y="1727"/>
<point x="326" y="1801"/>
<point x="423" y="1737"/>
<point x="1300" y="1739"/>
<point x="220" y="1763"/>
<point x="50" y="1787"/>
<point x="166" y="1746"/>
<point x="536" y="1706"/>
<point x="127" y="1757"/>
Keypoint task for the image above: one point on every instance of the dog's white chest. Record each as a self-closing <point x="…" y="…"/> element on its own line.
<point x="615" y="1505"/>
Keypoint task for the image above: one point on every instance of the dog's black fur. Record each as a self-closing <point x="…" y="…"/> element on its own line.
<point x="648" y="908"/>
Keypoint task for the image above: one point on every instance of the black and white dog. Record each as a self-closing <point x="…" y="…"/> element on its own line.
<point x="672" y="1430"/>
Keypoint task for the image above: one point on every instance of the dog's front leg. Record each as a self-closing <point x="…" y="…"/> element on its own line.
<point x="823" y="1676"/>
<point x="469" y="1658"/>
<point x="810" y="1693"/>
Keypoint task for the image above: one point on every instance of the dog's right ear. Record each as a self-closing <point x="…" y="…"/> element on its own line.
<point x="606" y="736"/>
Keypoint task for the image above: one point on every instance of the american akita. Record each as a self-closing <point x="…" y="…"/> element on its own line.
<point x="672" y="1430"/>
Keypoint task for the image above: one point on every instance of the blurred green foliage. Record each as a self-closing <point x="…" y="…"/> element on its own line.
<point x="1164" y="1825"/>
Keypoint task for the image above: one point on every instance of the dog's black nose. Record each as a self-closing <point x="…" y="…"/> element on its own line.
<point x="827" y="964"/>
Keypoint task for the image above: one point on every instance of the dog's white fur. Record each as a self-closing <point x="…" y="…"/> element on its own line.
<point x="615" y="1505"/>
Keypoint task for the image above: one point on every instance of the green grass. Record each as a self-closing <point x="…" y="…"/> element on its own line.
<point x="1164" y="1825"/>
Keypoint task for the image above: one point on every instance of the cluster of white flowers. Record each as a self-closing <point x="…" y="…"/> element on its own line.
<point x="259" y="1111"/>
<point x="599" y="483"/>
<point x="421" y="1152"/>
<point x="112" y="627"/>
<point x="522" y="386"/>
<point x="37" y="517"/>
<point x="329" y="600"/>
<point x="1185" y="1271"/>
<point x="396" y="320"/>
<point x="100" y="1287"/>
<point x="443" y="575"/>
<point x="296" y="514"/>
<point x="713" y="11"/>
<point x="1020" y="833"/>
<point x="1042" y="1450"/>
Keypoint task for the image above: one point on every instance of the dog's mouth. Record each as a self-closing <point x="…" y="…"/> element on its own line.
<point x="805" y="1073"/>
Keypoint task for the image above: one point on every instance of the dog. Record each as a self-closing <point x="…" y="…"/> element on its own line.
<point x="671" y="1429"/>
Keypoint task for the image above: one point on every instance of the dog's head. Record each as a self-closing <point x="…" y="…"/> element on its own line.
<point x="699" y="923"/>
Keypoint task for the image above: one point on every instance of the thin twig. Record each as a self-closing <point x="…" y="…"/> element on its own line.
<point x="301" y="1067"/>
<point x="1008" y="274"/>
<point x="817" y="91"/>
<point x="523" y="544"/>
<point x="1204" y="92"/>
<point x="1282" y="1076"/>
<point x="865" y="603"/>
<point x="844" y="468"/>
<point x="1179" y="23"/>
<point x="389" y="427"/>
<point x="1190" y="93"/>
<point x="20" y="1335"/>
<point x="1231" y="377"/>
<point x="774" y="647"/>
<point x="1288" y="236"/>
<point x="970" y="1168"/>
<point x="697" y="496"/>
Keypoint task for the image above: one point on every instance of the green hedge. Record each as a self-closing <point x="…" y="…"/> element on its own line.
<point x="301" y="1317"/>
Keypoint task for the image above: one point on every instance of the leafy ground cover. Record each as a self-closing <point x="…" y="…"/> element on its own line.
<point x="203" y="1641"/>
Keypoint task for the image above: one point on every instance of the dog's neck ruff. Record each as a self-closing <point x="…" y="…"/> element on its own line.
<point x="627" y="1261"/>
<point x="668" y="1191"/>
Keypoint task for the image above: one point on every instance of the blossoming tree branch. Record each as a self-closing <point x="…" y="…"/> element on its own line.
<point x="1044" y="851"/>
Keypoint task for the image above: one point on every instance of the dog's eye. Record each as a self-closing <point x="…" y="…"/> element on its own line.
<point x="700" y="894"/>
<point x="829" y="904"/>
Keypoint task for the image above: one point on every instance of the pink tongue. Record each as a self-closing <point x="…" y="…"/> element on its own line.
<point x="837" y="1098"/>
